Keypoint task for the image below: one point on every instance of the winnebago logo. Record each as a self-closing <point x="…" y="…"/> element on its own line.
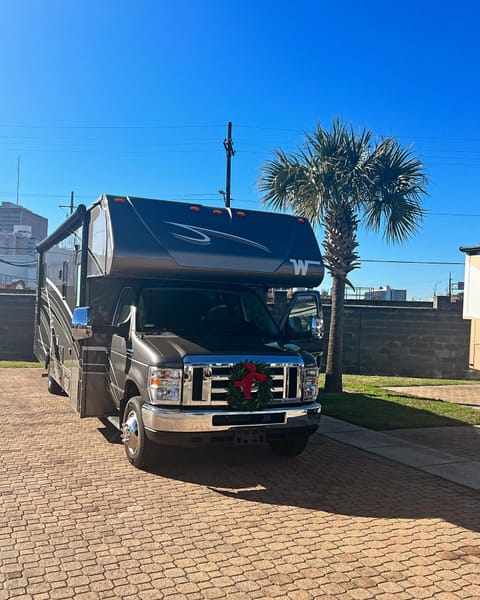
<point x="300" y="267"/>
<point x="203" y="236"/>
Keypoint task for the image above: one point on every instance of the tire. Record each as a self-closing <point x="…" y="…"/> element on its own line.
<point x="53" y="387"/>
<point x="292" y="446"/>
<point x="138" y="448"/>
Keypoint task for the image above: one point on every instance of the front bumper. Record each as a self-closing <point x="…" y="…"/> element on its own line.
<point x="157" y="419"/>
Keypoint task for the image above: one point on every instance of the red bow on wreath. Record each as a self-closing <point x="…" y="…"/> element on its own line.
<point x="247" y="382"/>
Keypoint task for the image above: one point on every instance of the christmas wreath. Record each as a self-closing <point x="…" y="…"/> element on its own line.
<point x="249" y="386"/>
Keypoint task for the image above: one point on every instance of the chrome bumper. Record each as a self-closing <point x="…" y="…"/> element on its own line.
<point x="198" y="421"/>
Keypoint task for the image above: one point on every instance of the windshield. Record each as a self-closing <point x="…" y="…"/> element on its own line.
<point x="190" y="311"/>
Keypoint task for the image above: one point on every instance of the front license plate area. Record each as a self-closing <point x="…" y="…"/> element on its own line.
<point x="250" y="437"/>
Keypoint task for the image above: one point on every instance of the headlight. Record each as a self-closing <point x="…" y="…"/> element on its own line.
<point x="310" y="384"/>
<point x="165" y="385"/>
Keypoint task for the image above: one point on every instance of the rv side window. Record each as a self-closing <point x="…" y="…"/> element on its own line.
<point x="79" y="283"/>
<point x="127" y="298"/>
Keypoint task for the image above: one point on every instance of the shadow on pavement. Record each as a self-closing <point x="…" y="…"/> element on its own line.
<point x="328" y="476"/>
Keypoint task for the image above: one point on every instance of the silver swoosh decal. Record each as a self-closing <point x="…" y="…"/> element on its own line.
<point x="203" y="239"/>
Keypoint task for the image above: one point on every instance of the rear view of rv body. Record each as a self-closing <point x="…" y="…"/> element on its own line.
<point x="149" y="311"/>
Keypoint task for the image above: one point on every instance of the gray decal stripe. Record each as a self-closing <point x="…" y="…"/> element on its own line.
<point x="58" y="294"/>
<point x="94" y="349"/>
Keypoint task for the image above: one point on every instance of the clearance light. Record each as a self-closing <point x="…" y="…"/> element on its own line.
<point x="240" y="213"/>
<point x="119" y="200"/>
<point x="195" y="208"/>
<point x="217" y="211"/>
<point x="300" y="220"/>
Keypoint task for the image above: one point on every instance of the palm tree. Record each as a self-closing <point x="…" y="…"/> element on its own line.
<point x="339" y="179"/>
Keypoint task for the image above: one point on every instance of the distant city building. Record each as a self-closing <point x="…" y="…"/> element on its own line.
<point x="20" y="229"/>
<point x="386" y="293"/>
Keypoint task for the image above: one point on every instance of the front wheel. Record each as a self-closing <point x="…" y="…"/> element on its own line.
<point x="292" y="446"/>
<point x="138" y="448"/>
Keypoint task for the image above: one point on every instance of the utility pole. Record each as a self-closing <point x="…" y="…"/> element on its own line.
<point x="71" y="206"/>
<point x="18" y="176"/>
<point x="228" y="145"/>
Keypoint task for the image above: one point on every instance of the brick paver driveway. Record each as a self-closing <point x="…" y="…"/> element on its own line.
<point x="77" y="521"/>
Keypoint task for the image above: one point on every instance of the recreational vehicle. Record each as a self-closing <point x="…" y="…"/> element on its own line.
<point x="152" y="314"/>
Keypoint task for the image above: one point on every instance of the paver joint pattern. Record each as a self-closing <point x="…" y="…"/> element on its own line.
<point x="77" y="521"/>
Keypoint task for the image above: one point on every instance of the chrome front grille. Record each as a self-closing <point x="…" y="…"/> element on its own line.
<point x="205" y="380"/>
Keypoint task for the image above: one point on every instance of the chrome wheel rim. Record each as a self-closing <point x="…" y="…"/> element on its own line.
<point x="130" y="433"/>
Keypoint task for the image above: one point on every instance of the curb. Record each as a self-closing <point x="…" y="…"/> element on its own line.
<point x="448" y="466"/>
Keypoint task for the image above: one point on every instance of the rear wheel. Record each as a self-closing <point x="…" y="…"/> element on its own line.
<point x="138" y="448"/>
<point x="292" y="446"/>
<point x="53" y="386"/>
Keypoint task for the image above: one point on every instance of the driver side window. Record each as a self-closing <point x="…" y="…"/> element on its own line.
<point x="122" y="312"/>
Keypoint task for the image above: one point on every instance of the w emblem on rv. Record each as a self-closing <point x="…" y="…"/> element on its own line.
<point x="300" y="266"/>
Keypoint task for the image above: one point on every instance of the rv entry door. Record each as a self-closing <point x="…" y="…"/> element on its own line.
<point x="119" y="353"/>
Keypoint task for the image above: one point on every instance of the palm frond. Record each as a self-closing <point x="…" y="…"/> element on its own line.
<point x="382" y="181"/>
<point x="392" y="203"/>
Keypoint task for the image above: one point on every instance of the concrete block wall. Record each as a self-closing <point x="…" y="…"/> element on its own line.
<point x="17" y="314"/>
<point x="417" y="339"/>
<point x="411" y="339"/>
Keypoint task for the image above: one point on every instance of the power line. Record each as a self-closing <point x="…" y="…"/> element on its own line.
<point x="31" y="263"/>
<point x="409" y="262"/>
<point x="139" y="127"/>
<point x="205" y="195"/>
<point x="116" y="152"/>
<point x="437" y="214"/>
<point x="207" y="126"/>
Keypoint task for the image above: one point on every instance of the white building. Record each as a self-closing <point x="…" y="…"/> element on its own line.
<point x="471" y="301"/>
<point x="386" y="293"/>
<point x="20" y="231"/>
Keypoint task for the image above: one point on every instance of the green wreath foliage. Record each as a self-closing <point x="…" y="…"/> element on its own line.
<point x="259" y="399"/>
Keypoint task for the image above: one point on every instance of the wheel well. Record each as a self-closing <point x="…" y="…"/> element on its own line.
<point x="131" y="390"/>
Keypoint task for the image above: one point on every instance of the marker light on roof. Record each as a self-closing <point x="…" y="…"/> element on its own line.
<point x="300" y="220"/>
<point x="119" y="200"/>
<point x="240" y="213"/>
<point x="195" y="208"/>
<point x="217" y="211"/>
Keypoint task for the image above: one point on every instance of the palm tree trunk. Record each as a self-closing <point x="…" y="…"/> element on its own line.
<point x="334" y="369"/>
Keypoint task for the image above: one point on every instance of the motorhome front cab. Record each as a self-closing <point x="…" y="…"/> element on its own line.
<point x="152" y="313"/>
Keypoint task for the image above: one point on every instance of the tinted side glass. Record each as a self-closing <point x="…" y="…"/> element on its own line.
<point x="127" y="298"/>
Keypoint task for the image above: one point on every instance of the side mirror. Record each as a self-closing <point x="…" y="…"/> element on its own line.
<point x="303" y="319"/>
<point x="81" y="323"/>
<point x="302" y="323"/>
<point x="318" y="327"/>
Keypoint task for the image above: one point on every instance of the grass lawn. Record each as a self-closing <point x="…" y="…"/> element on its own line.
<point x="365" y="403"/>
<point x="4" y="364"/>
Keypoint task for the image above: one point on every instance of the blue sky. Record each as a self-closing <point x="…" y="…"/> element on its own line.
<point x="133" y="98"/>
